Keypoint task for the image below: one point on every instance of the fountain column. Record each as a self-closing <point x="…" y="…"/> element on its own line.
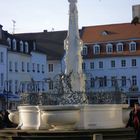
<point x="73" y="47"/>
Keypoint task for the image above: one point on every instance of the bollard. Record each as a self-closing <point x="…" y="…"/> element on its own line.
<point x="97" y="137"/>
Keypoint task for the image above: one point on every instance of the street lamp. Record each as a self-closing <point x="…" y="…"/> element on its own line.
<point x="7" y="91"/>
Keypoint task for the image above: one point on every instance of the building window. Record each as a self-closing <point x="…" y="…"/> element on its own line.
<point x="1" y="57"/>
<point x="34" y="46"/>
<point x="120" y="47"/>
<point x="134" y="63"/>
<point x="100" y="64"/>
<point x="28" y="67"/>
<point x="9" y="42"/>
<point x="123" y="63"/>
<point x="26" y="47"/>
<point x="91" y="65"/>
<point x="14" y="43"/>
<point x="96" y="49"/>
<point x="134" y="80"/>
<point x="112" y="63"/>
<point x="42" y="68"/>
<point x="33" y="67"/>
<point x="102" y="81"/>
<point x="22" y="66"/>
<point x="84" y="51"/>
<point x="132" y="46"/>
<point x="16" y="86"/>
<point x="16" y="67"/>
<point x="43" y="86"/>
<point x="50" y="67"/>
<point x="10" y="85"/>
<point x="2" y="79"/>
<point x="10" y="65"/>
<point x="109" y="48"/>
<point x="22" y="87"/>
<point x="21" y="46"/>
<point x="123" y="79"/>
<point x="38" y="68"/>
<point x="113" y="81"/>
<point x="83" y="65"/>
<point x="92" y="82"/>
<point x="105" y="81"/>
<point x="50" y="85"/>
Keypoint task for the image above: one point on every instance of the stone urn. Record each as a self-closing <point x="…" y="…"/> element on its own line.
<point x="13" y="116"/>
<point x="29" y="117"/>
<point x="61" y="117"/>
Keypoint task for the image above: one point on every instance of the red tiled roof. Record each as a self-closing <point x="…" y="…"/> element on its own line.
<point x="93" y="34"/>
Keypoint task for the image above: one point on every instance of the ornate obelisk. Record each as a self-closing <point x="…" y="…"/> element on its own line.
<point x="73" y="46"/>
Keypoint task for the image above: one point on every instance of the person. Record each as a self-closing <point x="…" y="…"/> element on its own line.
<point x="1" y="120"/>
<point x="134" y="120"/>
<point x="6" y="121"/>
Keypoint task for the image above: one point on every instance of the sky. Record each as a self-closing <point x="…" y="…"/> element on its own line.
<point x="52" y="15"/>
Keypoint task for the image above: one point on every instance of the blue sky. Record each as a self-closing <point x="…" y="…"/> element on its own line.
<point x="39" y="15"/>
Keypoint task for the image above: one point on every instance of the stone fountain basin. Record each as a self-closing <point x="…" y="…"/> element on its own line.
<point x="69" y="117"/>
<point x="61" y="117"/>
<point x="45" y="117"/>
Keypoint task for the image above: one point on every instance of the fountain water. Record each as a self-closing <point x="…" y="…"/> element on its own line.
<point x="73" y="110"/>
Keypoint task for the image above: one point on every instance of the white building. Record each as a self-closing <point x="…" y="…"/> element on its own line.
<point x="20" y="64"/>
<point x="3" y="66"/>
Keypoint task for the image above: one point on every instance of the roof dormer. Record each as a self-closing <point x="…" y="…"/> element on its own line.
<point x="96" y="49"/>
<point x="14" y="44"/>
<point x="119" y="47"/>
<point x="109" y="48"/>
<point x="84" y="51"/>
<point x="132" y="46"/>
<point x="104" y="33"/>
<point x="21" y="46"/>
<point x="26" y="47"/>
<point x="9" y="42"/>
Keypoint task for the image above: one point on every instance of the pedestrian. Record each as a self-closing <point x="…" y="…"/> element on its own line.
<point x="1" y="120"/>
<point x="134" y="120"/>
<point x="6" y="121"/>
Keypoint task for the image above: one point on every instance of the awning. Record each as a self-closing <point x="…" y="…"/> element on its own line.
<point x="12" y="97"/>
<point x="2" y="95"/>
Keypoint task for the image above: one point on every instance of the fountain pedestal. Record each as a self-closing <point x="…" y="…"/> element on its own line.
<point x="29" y="117"/>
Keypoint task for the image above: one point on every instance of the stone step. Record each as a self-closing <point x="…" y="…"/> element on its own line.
<point x="107" y="134"/>
<point x="122" y="139"/>
<point x="120" y="134"/>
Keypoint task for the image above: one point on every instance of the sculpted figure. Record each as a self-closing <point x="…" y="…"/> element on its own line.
<point x="72" y="5"/>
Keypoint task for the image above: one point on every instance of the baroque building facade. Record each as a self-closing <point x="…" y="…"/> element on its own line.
<point x="111" y="57"/>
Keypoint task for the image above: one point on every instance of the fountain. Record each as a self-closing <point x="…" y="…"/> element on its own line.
<point x="73" y="110"/>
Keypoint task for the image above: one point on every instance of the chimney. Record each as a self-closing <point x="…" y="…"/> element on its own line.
<point x="1" y="31"/>
<point x="136" y="11"/>
<point x="45" y="31"/>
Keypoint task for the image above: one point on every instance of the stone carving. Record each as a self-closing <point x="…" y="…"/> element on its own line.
<point x="73" y="7"/>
